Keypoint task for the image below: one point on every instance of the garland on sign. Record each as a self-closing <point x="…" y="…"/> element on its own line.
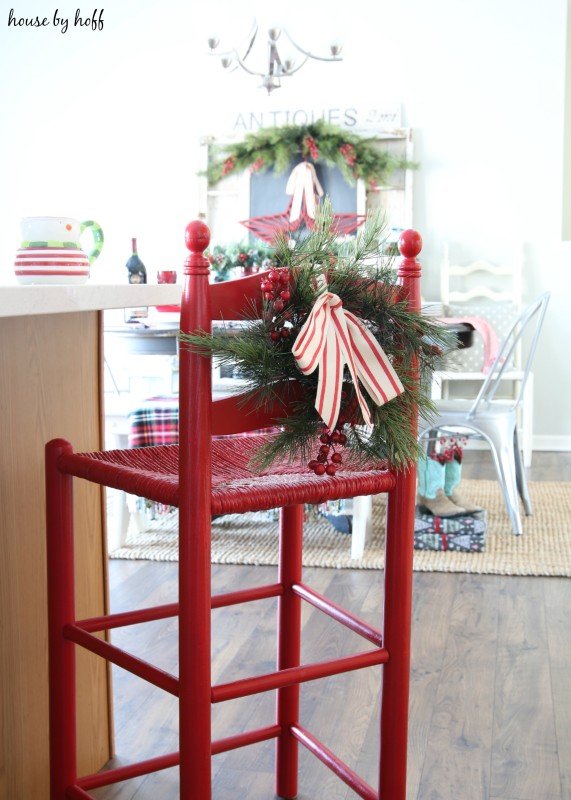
<point x="355" y="156"/>
<point x="351" y="302"/>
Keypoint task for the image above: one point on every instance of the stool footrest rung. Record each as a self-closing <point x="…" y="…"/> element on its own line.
<point x="117" y="774"/>
<point x="75" y="793"/>
<point x="136" y="770"/>
<point x="140" y="768"/>
<point x="247" y="595"/>
<point x="338" y="613"/>
<point x="335" y="764"/>
<point x="107" y="622"/>
<point x="293" y="675"/>
<point x="243" y="739"/>
<point x="158" y="677"/>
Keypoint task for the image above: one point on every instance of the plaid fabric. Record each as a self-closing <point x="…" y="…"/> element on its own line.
<point x="155" y="422"/>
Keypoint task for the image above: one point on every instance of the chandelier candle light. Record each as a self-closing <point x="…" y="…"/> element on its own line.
<point x="277" y="65"/>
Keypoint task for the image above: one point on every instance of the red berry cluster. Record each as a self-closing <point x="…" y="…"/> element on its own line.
<point x="229" y="165"/>
<point x="311" y="146"/>
<point x="349" y="154"/>
<point x="328" y="459"/>
<point x="257" y="166"/>
<point x="453" y="450"/>
<point x="275" y="288"/>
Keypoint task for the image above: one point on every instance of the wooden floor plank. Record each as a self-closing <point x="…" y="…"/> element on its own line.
<point x="524" y="751"/>
<point x="457" y="758"/>
<point x="557" y="604"/>
<point x="432" y="598"/>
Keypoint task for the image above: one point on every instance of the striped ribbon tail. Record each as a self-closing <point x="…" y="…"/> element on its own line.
<point x="303" y="185"/>
<point x="333" y="338"/>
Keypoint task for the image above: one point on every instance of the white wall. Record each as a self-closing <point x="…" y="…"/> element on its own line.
<point x="105" y="125"/>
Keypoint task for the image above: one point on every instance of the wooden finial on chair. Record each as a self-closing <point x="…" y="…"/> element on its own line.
<point x="197" y="239"/>
<point x="410" y="245"/>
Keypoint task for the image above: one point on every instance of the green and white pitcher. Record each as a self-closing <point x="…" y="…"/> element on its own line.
<point x="50" y="251"/>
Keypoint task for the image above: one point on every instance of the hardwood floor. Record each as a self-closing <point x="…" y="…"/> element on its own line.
<point x="490" y="711"/>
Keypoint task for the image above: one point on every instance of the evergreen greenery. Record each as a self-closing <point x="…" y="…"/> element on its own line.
<point x="367" y="285"/>
<point x="224" y="258"/>
<point x="354" y="155"/>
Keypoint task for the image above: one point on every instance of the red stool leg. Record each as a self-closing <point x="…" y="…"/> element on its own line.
<point x="194" y="657"/>
<point x="194" y="585"/>
<point x="396" y="637"/>
<point x="61" y="611"/>
<point x="289" y="648"/>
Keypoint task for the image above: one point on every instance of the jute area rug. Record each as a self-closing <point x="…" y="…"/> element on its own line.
<point x="543" y="549"/>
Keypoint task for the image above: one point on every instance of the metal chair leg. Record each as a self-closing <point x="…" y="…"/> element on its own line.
<point x="527" y="421"/>
<point x="521" y="478"/>
<point x="500" y="437"/>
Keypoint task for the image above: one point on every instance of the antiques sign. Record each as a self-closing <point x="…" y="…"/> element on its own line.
<point x="358" y="119"/>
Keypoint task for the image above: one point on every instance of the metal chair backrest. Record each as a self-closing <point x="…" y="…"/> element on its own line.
<point x="533" y="313"/>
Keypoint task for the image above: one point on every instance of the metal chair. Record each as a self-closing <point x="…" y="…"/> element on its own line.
<point x="493" y="418"/>
<point x="205" y="476"/>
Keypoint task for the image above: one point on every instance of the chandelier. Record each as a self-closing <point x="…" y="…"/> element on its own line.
<point x="276" y="65"/>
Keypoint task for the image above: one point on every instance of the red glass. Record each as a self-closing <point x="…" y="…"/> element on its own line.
<point x="166" y="276"/>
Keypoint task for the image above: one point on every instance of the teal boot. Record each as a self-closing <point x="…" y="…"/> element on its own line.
<point x="452" y="478"/>
<point x="431" y="495"/>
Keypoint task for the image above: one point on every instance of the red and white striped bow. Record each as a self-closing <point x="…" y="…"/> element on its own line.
<point x="332" y="337"/>
<point x="303" y="185"/>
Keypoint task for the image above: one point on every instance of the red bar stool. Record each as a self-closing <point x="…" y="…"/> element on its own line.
<point x="203" y="476"/>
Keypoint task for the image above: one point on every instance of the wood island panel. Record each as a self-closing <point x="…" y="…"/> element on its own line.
<point x="50" y="386"/>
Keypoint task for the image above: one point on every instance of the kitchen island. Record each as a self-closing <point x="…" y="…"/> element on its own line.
<point x="51" y="363"/>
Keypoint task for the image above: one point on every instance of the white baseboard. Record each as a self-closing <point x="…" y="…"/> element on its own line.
<point x="552" y="443"/>
<point x="546" y="444"/>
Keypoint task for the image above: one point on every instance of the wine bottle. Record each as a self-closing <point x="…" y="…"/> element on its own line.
<point x="135" y="267"/>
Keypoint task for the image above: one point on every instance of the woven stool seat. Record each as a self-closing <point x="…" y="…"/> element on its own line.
<point x="153" y="472"/>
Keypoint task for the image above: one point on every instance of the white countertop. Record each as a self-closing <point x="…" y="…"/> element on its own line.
<point x="18" y="301"/>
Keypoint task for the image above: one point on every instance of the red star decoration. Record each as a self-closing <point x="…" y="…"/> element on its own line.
<point x="268" y="227"/>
